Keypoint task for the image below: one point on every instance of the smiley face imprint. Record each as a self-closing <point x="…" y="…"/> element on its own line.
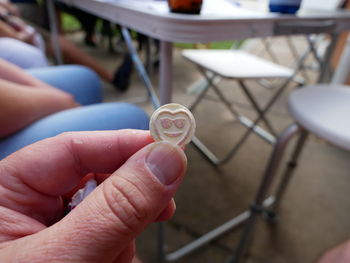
<point x="173" y="123"/>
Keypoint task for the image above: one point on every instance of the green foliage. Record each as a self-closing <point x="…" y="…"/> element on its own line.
<point x="70" y="23"/>
<point x="222" y="45"/>
<point x="213" y="45"/>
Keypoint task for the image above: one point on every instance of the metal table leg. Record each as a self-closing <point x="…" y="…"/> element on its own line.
<point x="54" y="34"/>
<point x="325" y="71"/>
<point x="287" y="175"/>
<point x="342" y="71"/>
<point x="140" y="68"/>
<point x="155" y="101"/>
<point x="215" y="233"/>
<point x="257" y="208"/>
<point x="166" y="72"/>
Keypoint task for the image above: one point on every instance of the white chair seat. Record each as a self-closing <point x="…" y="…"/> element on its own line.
<point x="236" y="64"/>
<point x="325" y="111"/>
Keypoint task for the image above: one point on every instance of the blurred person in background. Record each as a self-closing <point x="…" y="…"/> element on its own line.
<point x="41" y="103"/>
<point x="13" y="27"/>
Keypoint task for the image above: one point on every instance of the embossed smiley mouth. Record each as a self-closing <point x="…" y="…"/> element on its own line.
<point x="172" y="134"/>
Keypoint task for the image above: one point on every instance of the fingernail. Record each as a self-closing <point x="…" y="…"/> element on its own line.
<point x="166" y="162"/>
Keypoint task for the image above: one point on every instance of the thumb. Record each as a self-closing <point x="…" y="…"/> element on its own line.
<point x="105" y="223"/>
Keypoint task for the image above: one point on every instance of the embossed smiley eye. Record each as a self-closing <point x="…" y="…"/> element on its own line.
<point x="166" y="123"/>
<point x="180" y="123"/>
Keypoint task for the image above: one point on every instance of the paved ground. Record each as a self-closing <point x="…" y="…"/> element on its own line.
<point x="315" y="213"/>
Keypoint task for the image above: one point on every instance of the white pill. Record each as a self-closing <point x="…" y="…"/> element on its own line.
<point x="173" y="123"/>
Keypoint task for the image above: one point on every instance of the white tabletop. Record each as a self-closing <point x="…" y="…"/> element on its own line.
<point x="219" y="19"/>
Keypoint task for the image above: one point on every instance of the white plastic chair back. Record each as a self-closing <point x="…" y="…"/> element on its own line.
<point x="327" y="5"/>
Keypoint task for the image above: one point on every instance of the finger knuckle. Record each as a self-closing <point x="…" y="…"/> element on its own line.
<point x="128" y="203"/>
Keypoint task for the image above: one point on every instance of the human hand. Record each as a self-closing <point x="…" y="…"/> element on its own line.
<point x="338" y="254"/>
<point x="21" y="30"/>
<point x="26" y="36"/>
<point x="9" y="7"/>
<point x="144" y="177"/>
<point x="29" y="104"/>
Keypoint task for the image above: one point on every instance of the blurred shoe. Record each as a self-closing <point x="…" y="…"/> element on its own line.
<point x="90" y="40"/>
<point x="121" y="80"/>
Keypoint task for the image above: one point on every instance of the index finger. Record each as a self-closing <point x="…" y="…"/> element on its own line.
<point x="55" y="166"/>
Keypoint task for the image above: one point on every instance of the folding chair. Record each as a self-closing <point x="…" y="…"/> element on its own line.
<point x="240" y="66"/>
<point x="322" y="110"/>
<point x="320" y="42"/>
<point x="321" y="4"/>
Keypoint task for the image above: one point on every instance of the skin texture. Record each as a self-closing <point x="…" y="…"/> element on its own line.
<point x="9" y="7"/>
<point x="25" y="99"/>
<point x="135" y="190"/>
<point x="12" y="73"/>
<point x="338" y="254"/>
<point x="14" y="27"/>
<point x="8" y="31"/>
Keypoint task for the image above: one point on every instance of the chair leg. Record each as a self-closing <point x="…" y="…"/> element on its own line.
<point x="257" y="208"/>
<point x="267" y="46"/>
<point x="256" y="107"/>
<point x="202" y="93"/>
<point x="210" y="82"/>
<point x="257" y="119"/>
<point x="221" y="96"/>
<point x="253" y="127"/>
<point x="287" y="175"/>
<point x="249" y="124"/>
<point x="295" y="55"/>
<point x="161" y="243"/>
<point x="313" y="50"/>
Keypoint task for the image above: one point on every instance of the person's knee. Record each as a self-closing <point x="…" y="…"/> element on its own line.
<point x="90" y="86"/>
<point x="127" y="116"/>
<point x="66" y="101"/>
<point x="86" y="73"/>
<point x="81" y="82"/>
<point x="22" y="54"/>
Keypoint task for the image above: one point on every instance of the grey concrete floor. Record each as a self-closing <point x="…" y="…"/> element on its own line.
<point x="315" y="213"/>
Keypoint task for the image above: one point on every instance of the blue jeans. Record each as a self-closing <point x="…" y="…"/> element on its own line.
<point x="21" y="54"/>
<point x="79" y="81"/>
<point x="85" y="86"/>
